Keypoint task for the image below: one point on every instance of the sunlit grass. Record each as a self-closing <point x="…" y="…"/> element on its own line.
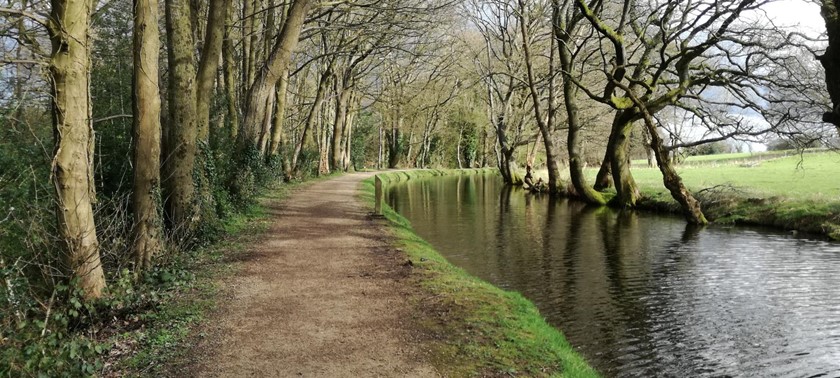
<point x="807" y="177"/>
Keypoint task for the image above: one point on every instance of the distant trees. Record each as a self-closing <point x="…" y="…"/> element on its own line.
<point x="718" y="65"/>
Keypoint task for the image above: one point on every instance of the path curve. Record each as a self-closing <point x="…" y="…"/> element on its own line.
<point x="322" y="295"/>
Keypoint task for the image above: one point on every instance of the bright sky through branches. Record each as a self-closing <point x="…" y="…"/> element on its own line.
<point x="802" y="14"/>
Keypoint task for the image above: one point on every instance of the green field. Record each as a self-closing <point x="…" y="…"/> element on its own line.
<point x="780" y="189"/>
<point x="812" y="176"/>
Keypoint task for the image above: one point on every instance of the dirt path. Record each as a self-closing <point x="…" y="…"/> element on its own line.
<point x="321" y="295"/>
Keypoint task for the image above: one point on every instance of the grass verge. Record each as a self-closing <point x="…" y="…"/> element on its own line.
<point x="486" y="331"/>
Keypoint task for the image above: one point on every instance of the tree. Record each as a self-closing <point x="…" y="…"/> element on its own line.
<point x="182" y="122"/>
<point x="543" y="120"/>
<point x="565" y="27"/>
<point x="715" y="66"/>
<point x="830" y="59"/>
<point x="501" y="67"/>
<point x="146" y="190"/>
<point x="262" y="90"/>
<point x="69" y="27"/>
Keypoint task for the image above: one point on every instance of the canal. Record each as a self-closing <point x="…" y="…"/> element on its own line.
<point x="641" y="294"/>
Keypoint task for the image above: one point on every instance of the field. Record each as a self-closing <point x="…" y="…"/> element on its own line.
<point x="811" y="176"/>
<point x="781" y="189"/>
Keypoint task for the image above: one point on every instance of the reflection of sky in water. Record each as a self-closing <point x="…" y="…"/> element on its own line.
<point x="641" y="294"/>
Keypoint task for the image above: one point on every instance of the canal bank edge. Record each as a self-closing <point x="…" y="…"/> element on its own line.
<point x="721" y="206"/>
<point x="789" y="214"/>
<point x="479" y="329"/>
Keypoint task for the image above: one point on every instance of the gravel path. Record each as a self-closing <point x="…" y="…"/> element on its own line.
<point x="322" y="295"/>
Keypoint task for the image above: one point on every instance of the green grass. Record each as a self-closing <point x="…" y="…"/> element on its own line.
<point x="489" y="331"/>
<point x="781" y="189"/>
<point x="799" y="192"/>
<point x="807" y="177"/>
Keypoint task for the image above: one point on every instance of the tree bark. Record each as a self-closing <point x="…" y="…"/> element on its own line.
<point x="208" y="66"/>
<point x="672" y="180"/>
<point x="341" y="109"/>
<point x="348" y="126"/>
<point x="146" y="190"/>
<point x="205" y="85"/>
<point x="180" y="157"/>
<point x="72" y="167"/>
<point x="830" y="60"/>
<point x="627" y="192"/>
<point x="229" y="61"/>
<point x="278" y="135"/>
<point x="603" y="179"/>
<point x="554" y="182"/>
<point x="394" y="143"/>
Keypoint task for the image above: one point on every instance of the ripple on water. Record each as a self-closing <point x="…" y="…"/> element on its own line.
<point x="644" y="295"/>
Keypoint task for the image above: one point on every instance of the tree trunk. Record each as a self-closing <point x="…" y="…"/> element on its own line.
<point x="672" y="180"/>
<point x="180" y="157"/>
<point x="247" y="28"/>
<point x="74" y="140"/>
<point x="627" y="193"/>
<point x="229" y="60"/>
<point x="603" y="179"/>
<point x="563" y="34"/>
<point x="554" y="182"/>
<point x="348" y="143"/>
<point x="278" y="135"/>
<point x="342" y="104"/>
<point x="323" y="144"/>
<point x="830" y="60"/>
<point x="145" y="196"/>
<point x="265" y="133"/>
<point x="381" y="144"/>
<point x="458" y="147"/>
<point x="394" y="143"/>
<point x="506" y="165"/>
<point x="210" y="54"/>
<point x="205" y="88"/>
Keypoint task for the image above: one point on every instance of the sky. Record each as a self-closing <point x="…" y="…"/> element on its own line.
<point x="802" y="14"/>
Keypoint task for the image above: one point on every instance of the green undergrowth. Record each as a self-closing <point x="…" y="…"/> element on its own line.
<point x="486" y="331"/>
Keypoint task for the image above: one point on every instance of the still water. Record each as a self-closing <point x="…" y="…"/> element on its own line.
<point x="641" y="294"/>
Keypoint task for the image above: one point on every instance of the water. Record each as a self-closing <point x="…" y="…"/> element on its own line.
<point x="641" y="294"/>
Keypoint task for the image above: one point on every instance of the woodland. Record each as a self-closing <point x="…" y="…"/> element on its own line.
<point x="130" y="131"/>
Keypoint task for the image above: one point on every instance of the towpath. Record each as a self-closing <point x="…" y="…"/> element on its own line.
<point x="321" y="295"/>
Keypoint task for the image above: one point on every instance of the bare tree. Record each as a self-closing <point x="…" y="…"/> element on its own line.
<point x="148" y="225"/>
<point x="69" y="29"/>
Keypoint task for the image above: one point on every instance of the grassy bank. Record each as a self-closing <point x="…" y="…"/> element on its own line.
<point x="486" y="331"/>
<point x="789" y="192"/>
<point x="778" y="189"/>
